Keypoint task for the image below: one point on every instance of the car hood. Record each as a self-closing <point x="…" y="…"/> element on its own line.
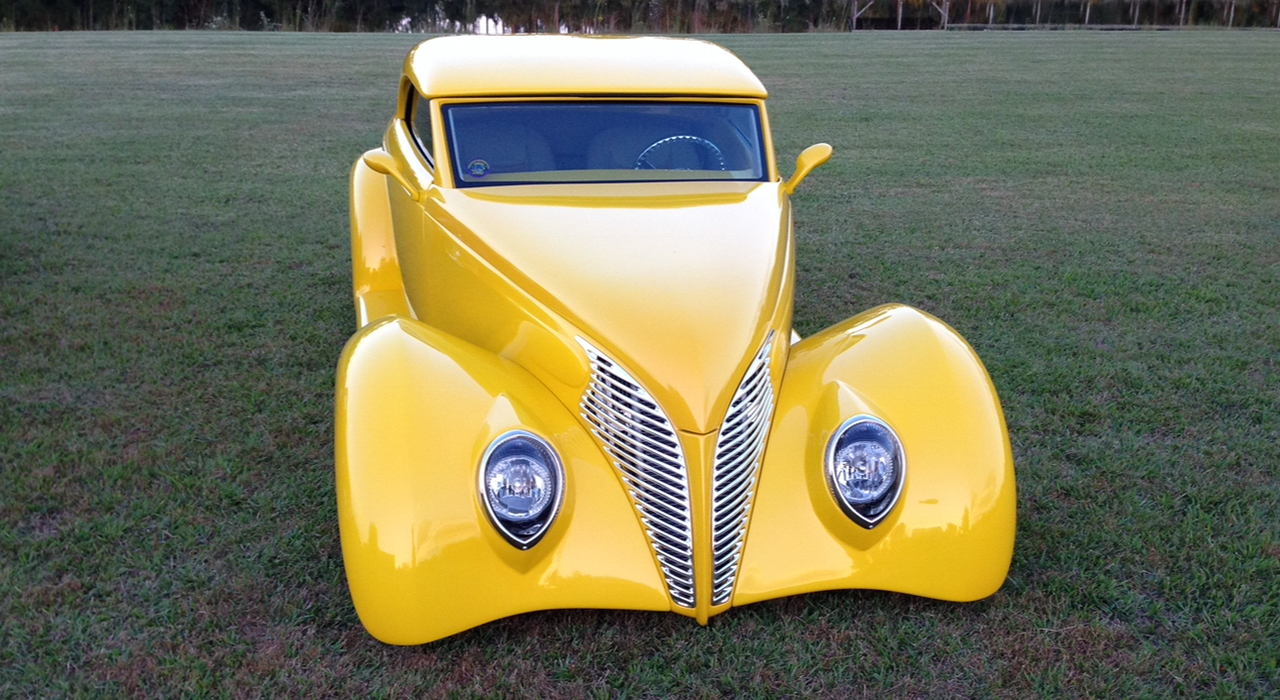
<point x="679" y="283"/>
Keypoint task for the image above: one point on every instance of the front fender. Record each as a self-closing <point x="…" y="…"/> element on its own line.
<point x="951" y="534"/>
<point x="416" y="409"/>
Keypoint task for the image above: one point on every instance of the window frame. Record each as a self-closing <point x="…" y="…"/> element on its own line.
<point x="764" y="138"/>
<point x="412" y="107"/>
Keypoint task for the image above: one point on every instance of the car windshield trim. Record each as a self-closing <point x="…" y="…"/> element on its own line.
<point x="558" y="141"/>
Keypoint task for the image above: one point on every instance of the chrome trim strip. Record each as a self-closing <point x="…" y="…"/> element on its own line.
<point x="737" y="469"/>
<point x="644" y="446"/>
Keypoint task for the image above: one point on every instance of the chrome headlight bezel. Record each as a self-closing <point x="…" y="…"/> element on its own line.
<point x="522" y="533"/>
<point x="869" y="429"/>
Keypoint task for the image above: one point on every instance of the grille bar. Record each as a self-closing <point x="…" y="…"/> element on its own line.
<point x="737" y="469"/>
<point x="645" y="449"/>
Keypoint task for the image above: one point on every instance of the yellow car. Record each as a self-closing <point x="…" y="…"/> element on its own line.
<point x="575" y="383"/>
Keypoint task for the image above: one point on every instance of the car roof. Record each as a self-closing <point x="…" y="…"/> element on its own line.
<point x="547" y="64"/>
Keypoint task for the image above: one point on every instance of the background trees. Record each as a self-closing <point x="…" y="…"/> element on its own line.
<point x="603" y="16"/>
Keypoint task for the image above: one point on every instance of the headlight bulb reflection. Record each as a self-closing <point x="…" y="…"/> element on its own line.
<point x="519" y="488"/>
<point x="864" y="471"/>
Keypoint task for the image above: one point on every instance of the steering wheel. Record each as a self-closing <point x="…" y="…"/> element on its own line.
<point x="642" y="160"/>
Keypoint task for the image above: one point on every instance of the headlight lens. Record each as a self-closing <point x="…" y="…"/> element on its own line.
<point x="521" y="485"/>
<point x="866" y="469"/>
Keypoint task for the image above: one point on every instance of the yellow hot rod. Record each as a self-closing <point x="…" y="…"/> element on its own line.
<point x="575" y="383"/>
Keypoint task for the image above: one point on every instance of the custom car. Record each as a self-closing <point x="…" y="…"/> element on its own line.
<point x="575" y="381"/>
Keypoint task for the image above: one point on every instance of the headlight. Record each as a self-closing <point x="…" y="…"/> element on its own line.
<point x="866" y="469"/>
<point x="522" y="486"/>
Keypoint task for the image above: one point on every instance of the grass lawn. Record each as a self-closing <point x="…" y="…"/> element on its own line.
<point x="1098" y="213"/>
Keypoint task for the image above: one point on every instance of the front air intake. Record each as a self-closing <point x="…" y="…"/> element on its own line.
<point x="644" y="447"/>
<point x="737" y="468"/>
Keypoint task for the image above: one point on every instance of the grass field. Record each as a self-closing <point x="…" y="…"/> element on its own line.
<point x="1099" y="214"/>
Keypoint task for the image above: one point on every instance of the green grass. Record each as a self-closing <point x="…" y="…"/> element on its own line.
<point x="1099" y="214"/>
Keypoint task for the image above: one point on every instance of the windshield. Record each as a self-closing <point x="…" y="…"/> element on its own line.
<point x="508" y="143"/>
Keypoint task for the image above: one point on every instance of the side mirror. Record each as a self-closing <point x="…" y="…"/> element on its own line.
<point x="381" y="162"/>
<point x="809" y="159"/>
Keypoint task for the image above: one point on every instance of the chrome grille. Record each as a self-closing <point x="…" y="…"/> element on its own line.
<point x="736" y="470"/>
<point x="645" y="449"/>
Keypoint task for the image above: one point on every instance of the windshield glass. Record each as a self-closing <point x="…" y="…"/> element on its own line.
<point x="509" y="143"/>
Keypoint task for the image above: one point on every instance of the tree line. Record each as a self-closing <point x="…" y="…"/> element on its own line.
<point x="627" y="16"/>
